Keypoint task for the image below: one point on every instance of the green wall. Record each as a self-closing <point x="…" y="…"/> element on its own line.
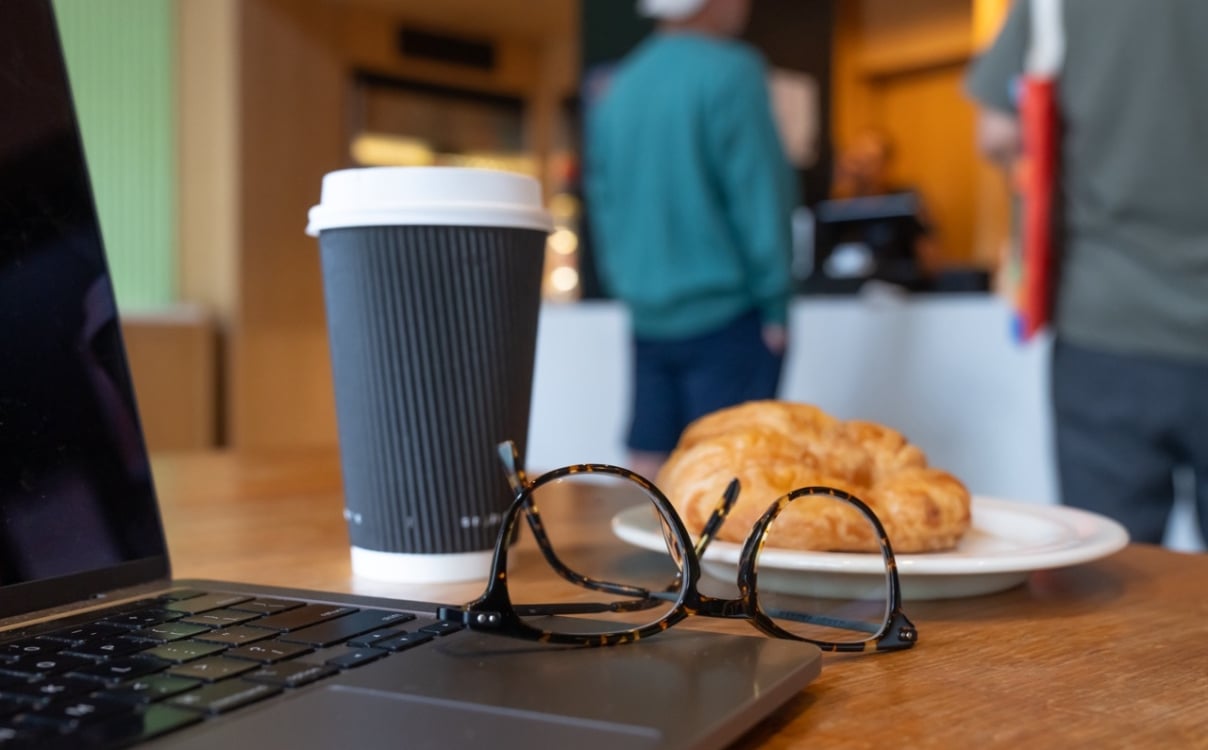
<point x="121" y="60"/>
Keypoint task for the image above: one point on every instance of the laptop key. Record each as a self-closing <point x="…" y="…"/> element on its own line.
<point x="180" y="652"/>
<point x="304" y="616"/>
<point x="109" y="648"/>
<point x="236" y="636"/>
<point x="213" y="669"/>
<point x="371" y="639"/>
<point x="13" y="679"/>
<point x="30" y="647"/>
<point x="129" y="729"/>
<point x="221" y="697"/>
<point x="40" y="666"/>
<point x="50" y="689"/>
<point x="67" y="715"/>
<point x="83" y="633"/>
<point x="267" y="606"/>
<point x="291" y="674"/>
<point x="221" y="618"/>
<point x="23" y="701"/>
<point x="206" y="602"/>
<point x="169" y="631"/>
<point x="121" y="670"/>
<point x="269" y="652"/>
<point x="28" y="737"/>
<point x="357" y="657"/>
<point x="152" y="688"/>
<point x="405" y="641"/>
<point x="17" y="737"/>
<point x="142" y="618"/>
<point x="442" y="627"/>
<point x="342" y="628"/>
<point x="10" y="706"/>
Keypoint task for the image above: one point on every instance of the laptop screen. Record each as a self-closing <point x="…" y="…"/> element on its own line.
<point x="77" y="508"/>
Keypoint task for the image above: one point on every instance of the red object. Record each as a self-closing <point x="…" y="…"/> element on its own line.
<point x="1039" y="185"/>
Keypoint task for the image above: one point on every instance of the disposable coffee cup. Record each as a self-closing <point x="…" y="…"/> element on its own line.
<point x="432" y="282"/>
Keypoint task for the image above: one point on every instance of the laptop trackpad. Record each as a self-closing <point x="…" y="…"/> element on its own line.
<point x="350" y="717"/>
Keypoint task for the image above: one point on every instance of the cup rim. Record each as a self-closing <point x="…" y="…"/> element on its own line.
<point x="428" y="196"/>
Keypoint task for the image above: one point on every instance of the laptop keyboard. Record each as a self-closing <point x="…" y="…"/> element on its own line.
<point x="144" y="669"/>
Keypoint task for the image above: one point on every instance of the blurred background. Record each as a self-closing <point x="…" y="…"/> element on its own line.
<point x="209" y="124"/>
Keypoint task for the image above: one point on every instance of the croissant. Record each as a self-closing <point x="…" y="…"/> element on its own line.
<point x="774" y="447"/>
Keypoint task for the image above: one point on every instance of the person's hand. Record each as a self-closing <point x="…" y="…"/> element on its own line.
<point x="775" y="338"/>
<point x="999" y="137"/>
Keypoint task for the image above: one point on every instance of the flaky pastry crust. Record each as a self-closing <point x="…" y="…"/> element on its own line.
<point x="773" y="447"/>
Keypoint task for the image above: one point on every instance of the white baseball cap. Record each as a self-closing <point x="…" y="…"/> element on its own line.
<point x="672" y="10"/>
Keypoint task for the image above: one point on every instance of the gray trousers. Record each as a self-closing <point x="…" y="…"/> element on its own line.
<point x="1124" y="423"/>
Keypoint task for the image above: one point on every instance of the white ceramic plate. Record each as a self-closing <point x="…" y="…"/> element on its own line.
<point x="1008" y="541"/>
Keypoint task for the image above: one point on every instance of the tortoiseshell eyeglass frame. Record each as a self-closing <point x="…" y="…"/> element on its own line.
<point x="494" y="611"/>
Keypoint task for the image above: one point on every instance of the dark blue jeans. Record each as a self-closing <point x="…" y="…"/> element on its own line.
<point x="1124" y="423"/>
<point x="676" y="381"/>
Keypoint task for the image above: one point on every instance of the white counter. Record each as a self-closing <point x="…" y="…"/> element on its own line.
<point x="942" y="369"/>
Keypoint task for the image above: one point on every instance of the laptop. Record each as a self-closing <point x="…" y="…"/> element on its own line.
<point x="100" y="647"/>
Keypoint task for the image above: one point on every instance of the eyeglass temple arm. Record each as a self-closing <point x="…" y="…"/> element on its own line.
<point x="831" y="622"/>
<point x="718" y="517"/>
<point x="459" y="614"/>
<point x="510" y="458"/>
<point x="651" y="599"/>
<point x="655" y="598"/>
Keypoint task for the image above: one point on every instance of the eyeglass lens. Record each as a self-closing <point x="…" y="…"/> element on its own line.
<point x="836" y="597"/>
<point x="593" y="584"/>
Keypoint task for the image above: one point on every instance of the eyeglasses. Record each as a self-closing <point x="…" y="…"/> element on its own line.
<point x="584" y="586"/>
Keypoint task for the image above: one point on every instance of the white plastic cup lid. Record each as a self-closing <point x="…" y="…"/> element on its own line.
<point x="442" y="196"/>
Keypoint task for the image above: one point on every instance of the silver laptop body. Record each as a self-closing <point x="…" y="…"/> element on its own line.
<point x="81" y="539"/>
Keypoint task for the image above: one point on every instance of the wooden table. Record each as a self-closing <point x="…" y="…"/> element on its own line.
<point x="1109" y="654"/>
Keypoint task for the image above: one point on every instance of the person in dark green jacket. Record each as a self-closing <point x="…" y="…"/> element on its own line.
<point x="690" y="196"/>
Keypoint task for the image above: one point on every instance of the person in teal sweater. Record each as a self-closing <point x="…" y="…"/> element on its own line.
<point x="690" y="196"/>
